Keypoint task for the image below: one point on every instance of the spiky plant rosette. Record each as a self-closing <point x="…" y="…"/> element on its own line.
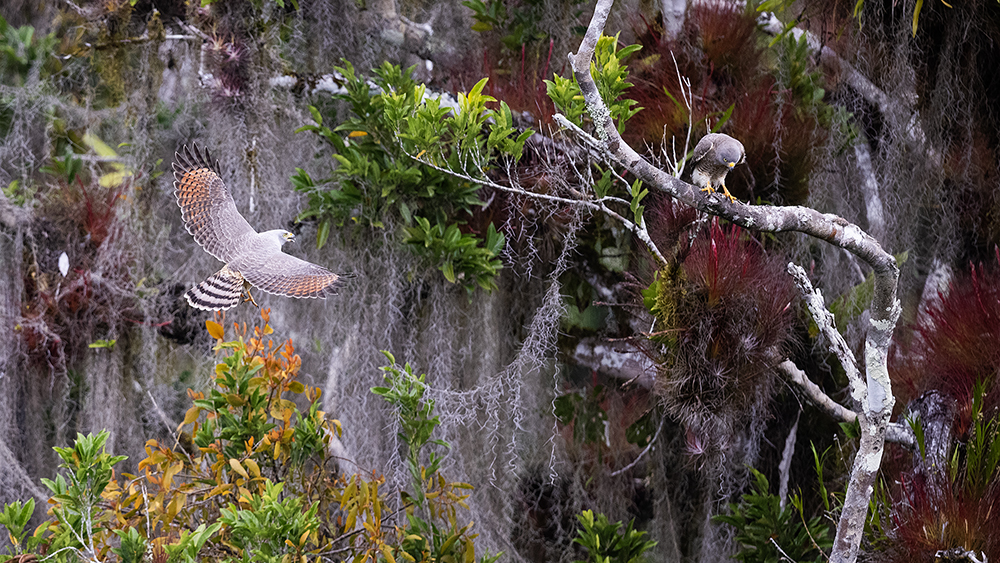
<point x="956" y="344"/>
<point x="724" y="318"/>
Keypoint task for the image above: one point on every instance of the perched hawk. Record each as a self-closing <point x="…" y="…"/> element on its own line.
<point x="210" y="215"/>
<point x="713" y="157"/>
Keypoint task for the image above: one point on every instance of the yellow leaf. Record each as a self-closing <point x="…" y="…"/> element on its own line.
<point x="296" y="387"/>
<point x="252" y="466"/>
<point x="235" y="464"/>
<point x="302" y="540"/>
<point x="268" y="329"/>
<point x="364" y="493"/>
<point x="470" y="552"/>
<point x="349" y="493"/>
<point x="214" y="329"/>
<point x="387" y="553"/>
<point x="190" y="416"/>
<point x="175" y="506"/>
<point x="168" y="475"/>
<point x="352" y="517"/>
<point x="357" y="133"/>
<point x="219" y="490"/>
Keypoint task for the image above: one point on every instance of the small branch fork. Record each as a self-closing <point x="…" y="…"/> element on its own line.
<point x="873" y="396"/>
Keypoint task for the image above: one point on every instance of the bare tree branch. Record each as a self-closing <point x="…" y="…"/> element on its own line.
<point x="874" y="396"/>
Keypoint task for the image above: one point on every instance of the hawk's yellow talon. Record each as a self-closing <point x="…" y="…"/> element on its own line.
<point x="726" y="193"/>
<point x="251" y="299"/>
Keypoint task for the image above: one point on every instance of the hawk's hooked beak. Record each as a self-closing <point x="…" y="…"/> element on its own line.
<point x="731" y="164"/>
<point x="289" y="237"/>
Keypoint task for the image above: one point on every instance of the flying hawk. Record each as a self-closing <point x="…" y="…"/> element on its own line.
<point x="250" y="258"/>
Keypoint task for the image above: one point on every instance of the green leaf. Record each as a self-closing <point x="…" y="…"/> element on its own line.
<point x="323" y="233"/>
<point x="448" y="269"/>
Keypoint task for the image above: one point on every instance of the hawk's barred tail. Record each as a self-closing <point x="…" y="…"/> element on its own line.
<point x="222" y="290"/>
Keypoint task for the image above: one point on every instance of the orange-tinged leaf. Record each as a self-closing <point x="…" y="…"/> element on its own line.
<point x="235" y="464"/>
<point x="214" y="329"/>
<point x="357" y="134"/>
<point x="305" y="536"/>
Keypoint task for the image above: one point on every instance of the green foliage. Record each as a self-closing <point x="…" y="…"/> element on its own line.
<point x="15" y="517"/>
<point x="606" y="542"/>
<point x="854" y="301"/>
<point x="20" y="50"/>
<point x="431" y="532"/>
<point x="769" y="533"/>
<point x="66" y="168"/>
<point x="585" y="413"/>
<point x="516" y="23"/>
<point x="403" y="154"/>
<point x="982" y="452"/>
<point x="459" y="253"/>
<point x="611" y="77"/>
<point x="271" y="527"/>
<point x="238" y="409"/>
<point x="79" y="519"/>
<point x="805" y="83"/>
<point x="405" y="392"/>
<point x="190" y="543"/>
<point x="132" y="547"/>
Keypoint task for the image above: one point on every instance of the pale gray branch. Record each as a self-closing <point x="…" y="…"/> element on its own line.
<point x="875" y="399"/>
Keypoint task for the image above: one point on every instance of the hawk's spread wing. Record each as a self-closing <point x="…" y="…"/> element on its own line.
<point x="283" y="274"/>
<point x="207" y="207"/>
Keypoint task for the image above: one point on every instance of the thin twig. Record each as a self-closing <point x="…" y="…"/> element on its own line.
<point x="644" y="451"/>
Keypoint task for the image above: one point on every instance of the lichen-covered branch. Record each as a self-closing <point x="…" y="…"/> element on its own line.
<point x="874" y="397"/>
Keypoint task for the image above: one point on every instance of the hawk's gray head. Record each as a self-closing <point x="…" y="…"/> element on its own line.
<point x="714" y="156"/>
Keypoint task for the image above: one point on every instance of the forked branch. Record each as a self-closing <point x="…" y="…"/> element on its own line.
<point x="874" y="394"/>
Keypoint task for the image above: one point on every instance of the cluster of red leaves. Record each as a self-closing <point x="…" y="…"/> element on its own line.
<point x="957" y="344"/>
<point x="721" y="52"/>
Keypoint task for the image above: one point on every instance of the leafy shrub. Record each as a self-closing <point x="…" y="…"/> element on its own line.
<point x="769" y="533"/>
<point x="395" y="159"/>
<point x="249" y="477"/>
<point x="606" y="542"/>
